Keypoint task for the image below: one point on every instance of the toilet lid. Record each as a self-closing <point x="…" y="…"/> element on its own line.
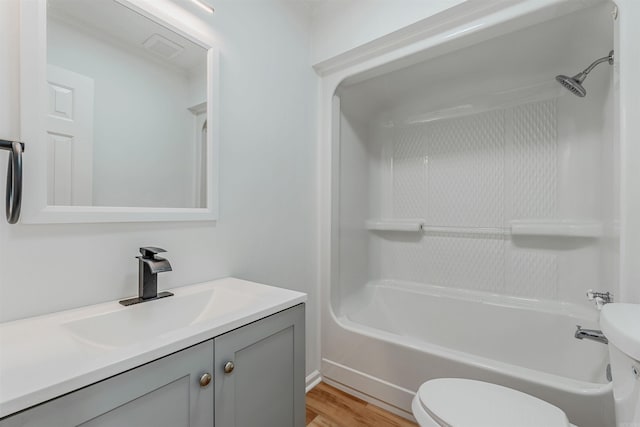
<point x="455" y="402"/>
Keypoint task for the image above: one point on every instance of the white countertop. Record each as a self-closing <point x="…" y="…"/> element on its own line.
<point x="42" y="357"/>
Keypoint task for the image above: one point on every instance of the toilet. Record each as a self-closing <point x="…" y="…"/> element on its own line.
<point x="459" y="402"/>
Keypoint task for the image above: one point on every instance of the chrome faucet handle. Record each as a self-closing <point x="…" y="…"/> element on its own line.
<point x="599" y="298"/>
<point x="606" y="297"/>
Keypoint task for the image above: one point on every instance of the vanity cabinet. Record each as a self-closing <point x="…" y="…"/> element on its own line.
<point x="257" y="380"/>
<point x="163" y="393"/>
<point x="259" y="370"/>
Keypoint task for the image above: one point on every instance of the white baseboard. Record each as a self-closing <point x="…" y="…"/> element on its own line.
<point x="384" y="394"/>
<point x="377" y="402"/>
<point x="312" y="380"/>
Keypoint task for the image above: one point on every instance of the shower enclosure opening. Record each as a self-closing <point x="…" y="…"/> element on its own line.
<point x="474" y="202"/>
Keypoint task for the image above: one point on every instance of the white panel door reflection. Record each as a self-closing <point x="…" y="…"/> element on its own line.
<point x="70" y="136"/>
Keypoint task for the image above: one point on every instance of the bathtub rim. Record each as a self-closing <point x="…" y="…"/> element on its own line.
<point x="541" y="378"/>
<point x="569" y="309"/>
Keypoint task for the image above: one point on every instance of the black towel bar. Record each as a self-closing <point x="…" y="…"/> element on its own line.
<point x="14" y="179"/>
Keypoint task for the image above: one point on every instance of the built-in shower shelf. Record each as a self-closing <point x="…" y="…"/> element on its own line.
<point x="524" y="227"/>
<point x="427" y="229"/>
<point x="395" y="224"/>
<point x="419" y="226"/>
<point x="568" y="228"/>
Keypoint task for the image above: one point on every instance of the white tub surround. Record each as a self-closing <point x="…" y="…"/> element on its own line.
<point x="469" y="203"/>
<point x="47" y="356"/>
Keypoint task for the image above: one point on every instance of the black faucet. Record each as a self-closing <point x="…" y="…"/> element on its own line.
<point x="148" y="268"/>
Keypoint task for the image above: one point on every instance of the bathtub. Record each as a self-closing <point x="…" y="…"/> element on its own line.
<point x="416" y="332"/>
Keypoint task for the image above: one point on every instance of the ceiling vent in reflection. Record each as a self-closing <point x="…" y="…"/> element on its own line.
<point x="162" y="46"/>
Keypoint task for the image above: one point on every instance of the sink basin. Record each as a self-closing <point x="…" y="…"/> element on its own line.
<point x="129" y="325"/>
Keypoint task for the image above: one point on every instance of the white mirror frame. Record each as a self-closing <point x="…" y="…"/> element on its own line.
<point x="33" y="113"/>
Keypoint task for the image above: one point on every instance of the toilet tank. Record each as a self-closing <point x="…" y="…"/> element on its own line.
<point x="621" y="325"/>
<point x="625" y="371"/>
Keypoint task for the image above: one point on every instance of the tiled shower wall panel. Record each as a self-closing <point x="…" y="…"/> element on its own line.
<point x="532" y="160"/>
<point x="472" y="172"/>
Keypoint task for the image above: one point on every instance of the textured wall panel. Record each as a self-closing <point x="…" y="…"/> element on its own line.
<point x="466" y="171"/>
<point x="403" y="259"/>
<point x="475" y="171"/>
<point x="409" y="173"/>
<point x="534" y="158"/>
<point x="531" y="273"/>
<point x="463" y="261"/>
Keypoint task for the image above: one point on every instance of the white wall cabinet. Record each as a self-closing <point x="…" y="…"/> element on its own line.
<point x="265" y="387"/>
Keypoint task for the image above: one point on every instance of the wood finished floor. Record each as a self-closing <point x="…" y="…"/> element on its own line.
<point x="329" y="407"/>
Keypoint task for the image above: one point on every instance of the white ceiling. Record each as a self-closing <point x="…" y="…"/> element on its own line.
<point x="111" y="21"/>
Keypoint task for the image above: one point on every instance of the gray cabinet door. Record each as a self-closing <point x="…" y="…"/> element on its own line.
<point x="163" y="393"/>
<point x="266" y="386"/>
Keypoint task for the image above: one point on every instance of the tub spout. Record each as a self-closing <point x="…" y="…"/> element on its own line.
<point x="590" y="334"/>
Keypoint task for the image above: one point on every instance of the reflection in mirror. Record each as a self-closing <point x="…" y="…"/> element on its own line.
<point x="127" y="109"/>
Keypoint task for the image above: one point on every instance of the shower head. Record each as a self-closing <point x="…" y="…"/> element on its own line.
<point x="574" y="84"/>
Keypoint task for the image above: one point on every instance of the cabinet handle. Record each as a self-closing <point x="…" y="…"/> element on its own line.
<point x="205" y="379"/>
<point x="228" y="367"/>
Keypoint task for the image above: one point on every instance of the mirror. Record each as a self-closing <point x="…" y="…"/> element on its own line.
<point x="119" y="112"/>
<point x="127" y="109"/>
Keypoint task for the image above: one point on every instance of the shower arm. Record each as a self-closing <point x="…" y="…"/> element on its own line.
<point x="593" y="65"/>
